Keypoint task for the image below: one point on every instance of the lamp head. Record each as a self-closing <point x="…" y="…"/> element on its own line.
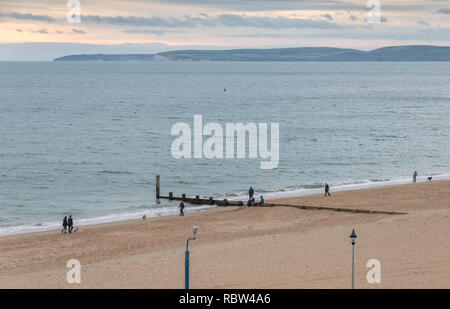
<point x="194" y="230"/>
<point x="353" y="235"/>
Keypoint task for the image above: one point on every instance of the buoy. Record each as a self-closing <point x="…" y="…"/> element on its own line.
<point x="134" y="112"/>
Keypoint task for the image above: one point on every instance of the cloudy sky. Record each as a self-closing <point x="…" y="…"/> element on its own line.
<point x="147" y="25"/>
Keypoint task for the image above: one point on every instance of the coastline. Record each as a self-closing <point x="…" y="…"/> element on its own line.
<point x="172" y="211"/>
<point x="305" y="248"/>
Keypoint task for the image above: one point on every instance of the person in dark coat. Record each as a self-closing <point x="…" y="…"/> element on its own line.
<point x="181" y="209"/>
<point x="250" y="193"/>
<point x="70" y="224"/>
<point x="327" y="190"/>
<point x="64" y="230"/>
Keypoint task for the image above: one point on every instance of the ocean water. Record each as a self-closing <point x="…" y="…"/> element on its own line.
<point x="70" y="142"/>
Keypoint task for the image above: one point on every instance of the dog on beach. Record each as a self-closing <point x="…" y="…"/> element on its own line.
<point x="429" y="178"/>
<point x="144" y="217"/>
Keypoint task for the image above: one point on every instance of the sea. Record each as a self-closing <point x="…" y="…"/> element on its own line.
<point x="87" y="139"/>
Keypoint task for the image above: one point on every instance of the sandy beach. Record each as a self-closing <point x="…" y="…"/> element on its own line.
<point x="256" y="247"/>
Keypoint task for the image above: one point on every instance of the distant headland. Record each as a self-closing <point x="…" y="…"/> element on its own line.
<point x="301" y="54"/>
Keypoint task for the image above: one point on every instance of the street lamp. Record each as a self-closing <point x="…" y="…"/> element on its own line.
<point x="353" y="237"/>
<point x="186" y="263"/>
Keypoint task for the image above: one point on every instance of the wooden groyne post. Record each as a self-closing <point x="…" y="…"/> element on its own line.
<point x="196" y="200"/>
<point x="157" y="187"/>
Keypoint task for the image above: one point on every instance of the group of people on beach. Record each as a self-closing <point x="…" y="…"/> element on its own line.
<point x="251" y="200"/>
<point x="67" y="225"/>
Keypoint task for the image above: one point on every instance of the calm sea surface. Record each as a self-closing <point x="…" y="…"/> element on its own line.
<point x="70" y="142"/>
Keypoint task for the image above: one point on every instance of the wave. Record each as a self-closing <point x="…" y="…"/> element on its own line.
<point x="116" y="172"/>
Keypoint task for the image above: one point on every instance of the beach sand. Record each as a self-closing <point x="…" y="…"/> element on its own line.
<point x="256" y="247"/>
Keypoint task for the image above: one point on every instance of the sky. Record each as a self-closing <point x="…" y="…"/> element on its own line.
<point x="59" y="27"/>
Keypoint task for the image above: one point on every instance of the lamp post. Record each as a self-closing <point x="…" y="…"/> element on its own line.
<point x="353" y="237"/>
<point x="186" y="261"/>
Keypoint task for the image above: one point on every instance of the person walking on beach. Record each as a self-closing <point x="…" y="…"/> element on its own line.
<point x="327" y="190"/>
<point x="70" y="224"/>
<point x="250" y="193"/>
<point x="64" y="230"/>
<point x="181" y="209"/>
<point x="415" y="177"/>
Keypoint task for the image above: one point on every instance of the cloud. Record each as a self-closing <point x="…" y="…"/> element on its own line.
<point x="327" y="16"/>
<point x="28" y="16"/>
<point x="234" y="20"/>
<point x="143" y="31"/>
<point x="424" y="23"/>
<point x="135" y="21"/>
<point x="79" y="31"/>
<point x="304" y="5"/>
<point x="19" y="30"/>
<point x="204" y="20"/>
<point x="42" y="31"/>
<point x="444" y="11"/>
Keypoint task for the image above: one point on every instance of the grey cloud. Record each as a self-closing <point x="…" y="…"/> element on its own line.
<point x="262" y="5"/>
<point x="79" y="31"/>
<point x="28" y="16"/>
<point x="134" y="31"/>
<point x="204" y="20"/>
<point x="19" y="30"/>
<point x="327" y="16"/>
<point x="139" y="21"/>
<point x="272" y="22"/>
<point x="325" y="5"/>
<point x="444" y="11"/>
<point x="43" y="31"/>
<point x="226" y="20"/>
<point x="424" y="23"/>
